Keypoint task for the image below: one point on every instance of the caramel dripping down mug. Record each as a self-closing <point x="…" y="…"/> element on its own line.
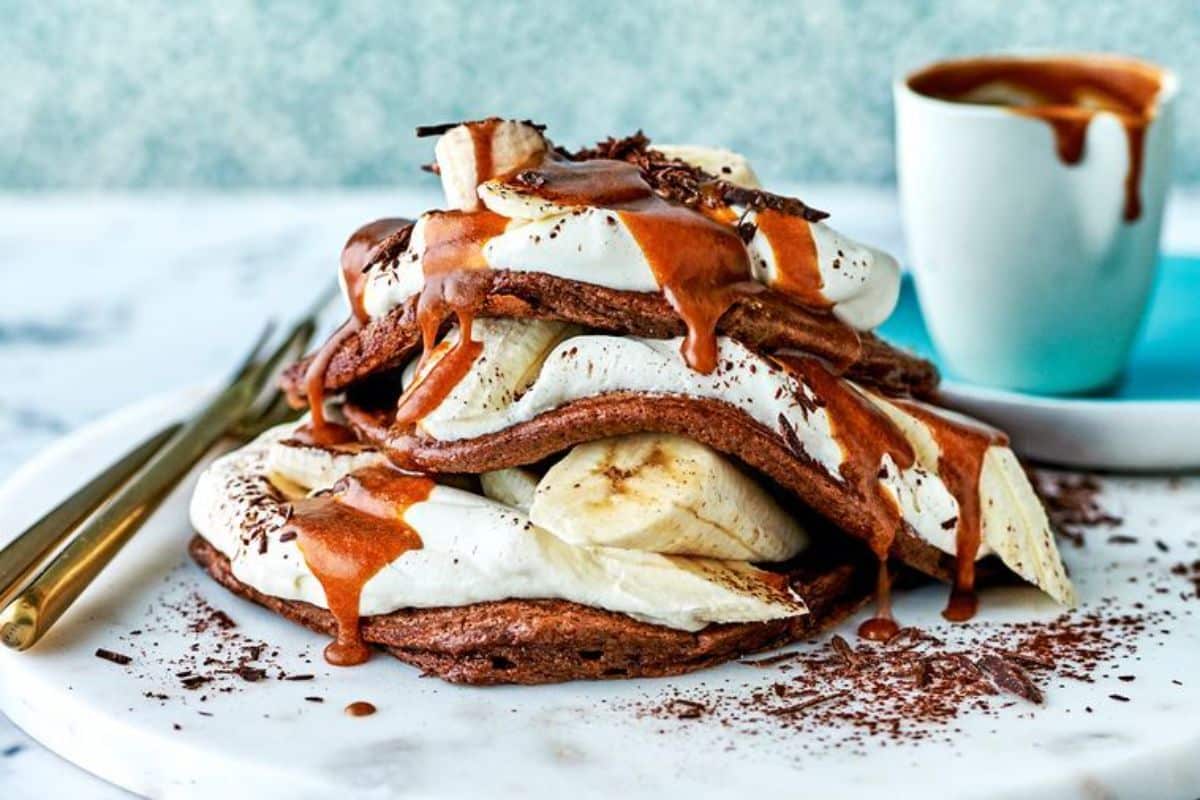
<point x="1032" y="189"/>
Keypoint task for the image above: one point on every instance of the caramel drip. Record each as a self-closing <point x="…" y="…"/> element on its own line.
<point x="430" y="389"/>
<point x="865" y="435"/>
<point x="347" y="536"/>
<point x="1066" y="93"/>
<point x="961" y="447"/>
<point x="360" y="708"/>
<point x="1135" y="133"/>
<point x="797" y="273"/>
<point x="599" y="182"/>
<point x="1069" y="126"/>
<point x="357" y="254"/>
<point x="482" y="134"/>
<point x="882" y="626"/>
<point x="320" y="430"/>
<point x="700" y="263"/>
<point x="454" y="242"/>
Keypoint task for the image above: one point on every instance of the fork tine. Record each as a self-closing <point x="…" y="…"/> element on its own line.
<point x="276" y="415"/>
<point x="293" y="346"/>
<point x="39" y="605"/>
<point x="248" y="362"/>
<point x="24" y="620"/>
<point x="297" y="339"/>
<point x="20" y="557"/>
<point x="322" y="300"/>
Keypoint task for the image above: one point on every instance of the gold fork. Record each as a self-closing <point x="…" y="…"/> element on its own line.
<point x="130" y="490"/>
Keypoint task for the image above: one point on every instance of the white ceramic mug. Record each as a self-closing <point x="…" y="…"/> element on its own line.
<point x="1028" y="274"/>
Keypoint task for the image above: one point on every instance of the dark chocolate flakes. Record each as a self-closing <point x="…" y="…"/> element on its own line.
<point x="116" y="658"/>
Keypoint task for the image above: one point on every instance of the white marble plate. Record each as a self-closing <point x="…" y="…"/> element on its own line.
<point x="135" y="726"/>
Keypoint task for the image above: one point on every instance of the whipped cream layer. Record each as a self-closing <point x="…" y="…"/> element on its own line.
<point x="592" y="242"/>
<point x="506" y="387"/>
<point x="585" y="366"/>
<point x="594" y="245"/>
<point x="473" y="550"/>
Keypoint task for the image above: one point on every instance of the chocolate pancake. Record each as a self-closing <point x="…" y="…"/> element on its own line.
<point x="763" y="321"/>
<point x="548" y="641"/>
<point x="717" y="424"/>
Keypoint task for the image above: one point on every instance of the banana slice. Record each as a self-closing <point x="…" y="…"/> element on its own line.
<point x="510" y="144"/>
<point x="1014" y="524"/>
<point x="310" y="466"/>
<point x="512" y="356"/>
<point x="477" y="550"/>
<point x="517" y="203"/>
<point x="1016" y="527"/>
<point x="725" y="164"/>
<point x="663" y="494"/>
<point x="514" y="487"/>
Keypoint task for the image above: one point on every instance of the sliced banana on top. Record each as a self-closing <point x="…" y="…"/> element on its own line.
<point x="521" y="203"/>
<point x="724" y="164"/>
<point x="474" y="152"/>
<point x="664" y="494"/>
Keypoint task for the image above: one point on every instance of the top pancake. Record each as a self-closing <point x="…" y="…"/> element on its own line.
<point x="763" y="321"/>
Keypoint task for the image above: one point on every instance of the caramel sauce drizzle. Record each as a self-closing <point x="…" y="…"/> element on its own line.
<point x="697" y="258"/>
<point x="883" y="625"/>
<point x="865" y="435"/>
<point x="1065" y="93"/>
<point x="700" y="263"/>
<point x="430" y="389"/>
<point x="482" y="134"/>
<point x="454" y="246"/>
<point x="797" y="273"/>
<point x="347" y="536"/>
<point x="962" y="448"/>
<point x="598" y="182"/>
<point x="319" y="430"/>
<point x="356" y="255"/>
<point x="360" y="708"/>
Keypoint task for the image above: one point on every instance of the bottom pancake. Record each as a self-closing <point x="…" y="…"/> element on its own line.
<point x="550" y="641"/>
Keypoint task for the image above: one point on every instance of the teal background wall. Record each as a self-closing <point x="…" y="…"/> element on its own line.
<point x="236" y="93"/>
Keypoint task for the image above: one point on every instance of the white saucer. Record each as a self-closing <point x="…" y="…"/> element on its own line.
<point x="581" y="740"/>
<point x="1149" y="421"/>
<point x="1129" y="435"/>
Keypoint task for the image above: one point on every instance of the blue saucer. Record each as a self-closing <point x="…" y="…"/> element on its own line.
<point x="1150" y="421"/>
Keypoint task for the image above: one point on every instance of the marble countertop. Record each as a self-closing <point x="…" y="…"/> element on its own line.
<point x="106" y="299"/>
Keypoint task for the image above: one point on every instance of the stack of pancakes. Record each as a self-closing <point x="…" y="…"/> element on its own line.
<point x="617" y="412"/>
